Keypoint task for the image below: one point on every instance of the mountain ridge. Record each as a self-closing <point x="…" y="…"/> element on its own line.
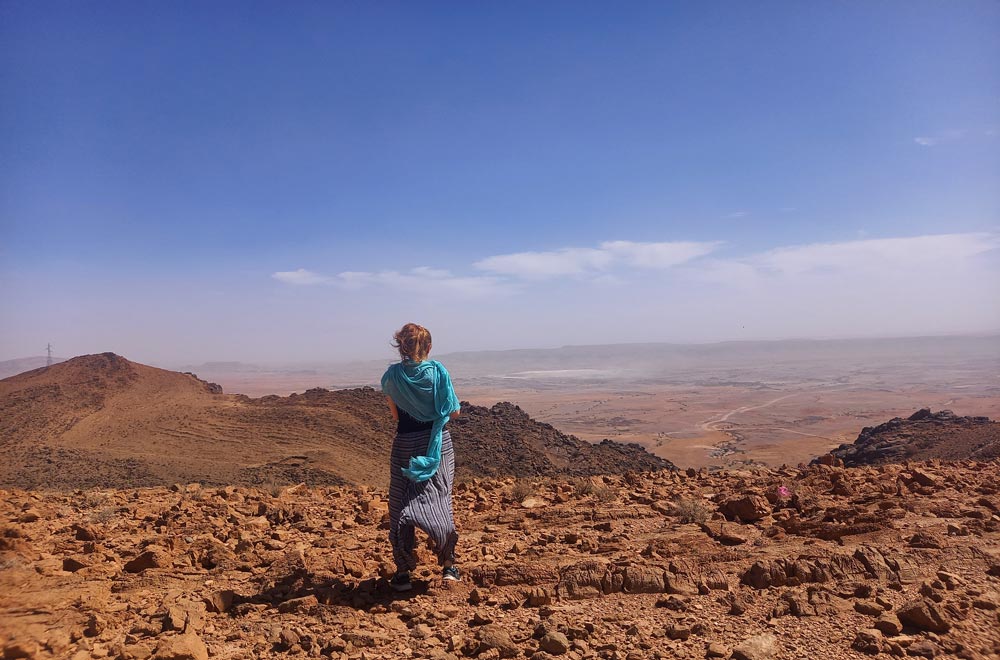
<point x="104" y="420"/>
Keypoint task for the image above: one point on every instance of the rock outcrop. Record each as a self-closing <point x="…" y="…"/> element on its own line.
<point x="922" y="436"/>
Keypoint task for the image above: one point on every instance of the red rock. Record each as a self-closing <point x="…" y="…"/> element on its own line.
<point x="72" y="565"/>
<point x="868" y="641"/>
<point x="555" y="643"/>
<point x="494" y="637"/>
<point x="220" y="601"/>
<point x="923" y="614"/>
<point x="154" y="558"/>
<point x="303" y="604"/>
<point x="747" y="508"/>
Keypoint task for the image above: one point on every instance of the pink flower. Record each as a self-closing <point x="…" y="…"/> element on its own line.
<point x="783" y="492"/>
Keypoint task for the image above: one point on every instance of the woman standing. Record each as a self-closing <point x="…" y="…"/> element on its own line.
<point x="422" y="401"/>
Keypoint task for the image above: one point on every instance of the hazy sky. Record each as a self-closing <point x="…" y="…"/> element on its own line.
<point x="291" y="181"/>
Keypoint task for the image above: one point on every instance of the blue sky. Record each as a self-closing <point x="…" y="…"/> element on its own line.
<point x="275" y="181"/>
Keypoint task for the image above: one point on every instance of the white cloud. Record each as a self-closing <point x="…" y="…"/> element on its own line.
<point x="565" y="261"/>
<point x="877" y="252"/>
<point x="657" y="255"/>
<point x="421" y="280"/>
<point x="942" y="137"/>
<point x="581" y="261"/>
<point x="858" y="266"/>
<point x="300" y="277"/>
<point x="738" y="214"/>
<point x="431" y="282"/>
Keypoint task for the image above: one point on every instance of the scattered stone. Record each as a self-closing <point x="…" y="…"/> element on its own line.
<point x="924" y="648"/>
<point x="748" y="508"/>
<point x="868" y="641"/>
<point x="220" y="601"/>
<point x="889" y="624"/>
<point x="717" y="650"/>
<point x="868" y="607"/>
<point x="555" y="643"/>
<point x="17" y="649"/>
<point x="678" y="631"/>
<point x="175" y="619"/>
<point x="181" y="647"/>
<point x="95" y="625"/>
<point x="303" y="604"/>
<point x="923" y="614"/>
<point x="85" y="532"/>
<point x="758" y="647"/>
<point x="154" y="558"/>
<point x="925" y="540"/>
<point x="494" y="637"/>
<point x="72" y="565"/>
<point x="29" y="516"/>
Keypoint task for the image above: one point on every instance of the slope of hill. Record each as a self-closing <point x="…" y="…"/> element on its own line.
<point x="923" y="435"/>
<point x="103" y="420"/>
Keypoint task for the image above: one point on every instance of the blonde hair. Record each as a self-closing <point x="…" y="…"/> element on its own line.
<point x="413" y="342"/>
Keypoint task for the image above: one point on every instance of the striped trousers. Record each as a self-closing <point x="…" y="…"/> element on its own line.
<point x="426" y="505"/>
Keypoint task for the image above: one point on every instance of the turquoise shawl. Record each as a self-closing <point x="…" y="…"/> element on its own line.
<point x="423" y="390"/>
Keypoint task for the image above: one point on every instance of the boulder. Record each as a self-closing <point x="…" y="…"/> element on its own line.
<point x="868" y="641"/>
<point x="554" y="642"/>
<point x="889" y="624"/>
<point x="717" y="650"/>
<point x="747" y="508"/>
<point x="492" y="636"/>
<point x="152" y="558"/>
<point x="924" y="614"/>
<point x="758" y="647"/>
<point x="220" y="601"/>
<point x="181" y="647"/>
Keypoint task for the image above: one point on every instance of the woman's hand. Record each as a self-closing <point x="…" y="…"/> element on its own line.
<point x="455" y="413"/>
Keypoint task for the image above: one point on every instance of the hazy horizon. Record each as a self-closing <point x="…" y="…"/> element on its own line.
<point x="181" y="187"/>
<point x="522" y="352"/>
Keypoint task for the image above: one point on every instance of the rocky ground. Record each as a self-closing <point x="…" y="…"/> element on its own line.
<point x="823" y="562"/>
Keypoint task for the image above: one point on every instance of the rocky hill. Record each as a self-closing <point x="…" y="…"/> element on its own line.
<point x="102" y="420"/>
<point x="823" y="562"/>
<point x="922" y="436"/>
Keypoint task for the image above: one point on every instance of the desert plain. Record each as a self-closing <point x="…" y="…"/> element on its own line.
<point x="713" y="405"/>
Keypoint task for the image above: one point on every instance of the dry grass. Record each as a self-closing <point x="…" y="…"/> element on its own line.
<point x="605" y="494"/>
<point x="104" y="515"/>
<point x="587" y="487"/>
<point x="522" y="488"/>
<point x="583" y="487"/>
<point x="692" y="510"/>
<point x="95" y="499"/>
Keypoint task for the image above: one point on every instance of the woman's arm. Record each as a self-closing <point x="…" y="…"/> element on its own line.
<point x="392" y="408"/>
<point x="455" y="413"/>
